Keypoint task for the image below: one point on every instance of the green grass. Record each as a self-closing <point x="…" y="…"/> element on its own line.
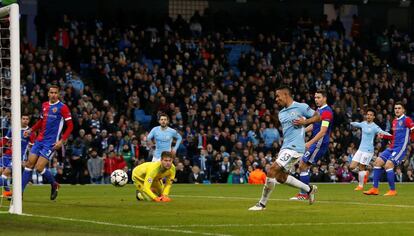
<point x="210" y="210"/>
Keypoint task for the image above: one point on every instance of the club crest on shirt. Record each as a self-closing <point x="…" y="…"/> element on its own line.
<point x="54" y="110"/>
<point x="149" y="180"/>
<point x="400" y="122"/>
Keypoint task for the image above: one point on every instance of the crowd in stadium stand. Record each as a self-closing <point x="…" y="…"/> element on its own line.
<point x="118" y="80"/>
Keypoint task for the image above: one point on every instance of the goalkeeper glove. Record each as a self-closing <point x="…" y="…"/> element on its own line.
<point x="157" y="199"/>
<point x="165" y="198"/>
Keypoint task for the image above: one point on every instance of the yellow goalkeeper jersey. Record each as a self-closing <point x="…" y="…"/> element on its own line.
<point x="149" y="172"/>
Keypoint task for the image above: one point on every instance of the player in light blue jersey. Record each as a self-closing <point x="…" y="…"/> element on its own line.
<point x="163" y="136"/>
<point x="293" y="146"/>
<point x="365" y="151"/>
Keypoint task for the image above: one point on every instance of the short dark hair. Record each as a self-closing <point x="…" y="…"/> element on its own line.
<point x="25" y="114"/>
<point x="163" y="114"/>
<point x="166" y="154"/>
<point x="399" y="103"/>
<point x="286" y="88"/>
<point x="321" y="91"/>
<point x="370" y="109"/>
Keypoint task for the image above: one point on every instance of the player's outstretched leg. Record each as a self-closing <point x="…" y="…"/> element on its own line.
<point x="267" y="190"/>
<point x="54" y="185"/>
<point x="5" y="184"/>
<point x="26" y="177"/>
<point x="391" y="182"/>
<point x="377" y="176"/>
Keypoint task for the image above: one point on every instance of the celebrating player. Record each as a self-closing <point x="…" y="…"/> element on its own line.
<point x="148" y="179"/>
<point x="365" y="151"/>
<point x="318" y="144"/>
<point x="6" y="159"/>
<point x="50" y="124"/>
<point x="163" y="136"/>
<point x="395" y="153"/>
<point x="291" y="118"/>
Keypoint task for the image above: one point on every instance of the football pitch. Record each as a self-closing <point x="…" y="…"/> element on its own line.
<point x="210" y="210"/>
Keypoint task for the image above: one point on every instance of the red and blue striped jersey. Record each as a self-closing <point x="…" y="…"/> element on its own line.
<point x="52" y="120"/>
<point x="401" y="128"/>
<point x="326" y="114"/>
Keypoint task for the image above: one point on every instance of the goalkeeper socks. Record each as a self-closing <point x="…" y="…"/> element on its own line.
<point x="267" y="190"/>
<point x="48" y="176"/>
<point x="27" y="176"/>
<point x="391" y="178"/>
<point x="292" y="181"/>
<point x="4" y="183"/>
<point x="377" y="175"/>
<point x="304" y="178"/>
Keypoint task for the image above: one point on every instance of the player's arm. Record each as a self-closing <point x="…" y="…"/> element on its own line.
<point x="150" y="136"/>
<point x="36" y="126"/>
<point x="177" y="141"/>
<point x="69" y="127"/>
<point x="326" y="117"/>
<point x="149" y="178"/>
<point x="168" y="184"/>
<point x="410" y="124"/>
<point x="310" y="116"/>
<point x="356" y="124"/>
<point x="309" y="128"/>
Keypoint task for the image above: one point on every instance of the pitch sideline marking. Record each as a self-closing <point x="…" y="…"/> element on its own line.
<point x="292" y="224"/>
<point x="145" y="227"/>
<point x="287" y="200"/>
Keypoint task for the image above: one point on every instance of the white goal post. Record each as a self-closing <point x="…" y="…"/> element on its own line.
<point x="12" y="70"/>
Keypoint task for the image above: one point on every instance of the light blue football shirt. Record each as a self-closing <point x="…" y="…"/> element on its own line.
<point x="294" y="136"/>
<point x="369" y="130"/>
<point x="163" y="140"/>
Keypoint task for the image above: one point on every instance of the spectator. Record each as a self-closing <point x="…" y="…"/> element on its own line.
<point x="257" y="176"/>
<point x="196" y="177"/>
<point x="95" y="167"/>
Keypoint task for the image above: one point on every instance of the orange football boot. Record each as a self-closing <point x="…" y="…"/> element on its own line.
<point x="391" y="193"/>
<point x="372" y="191"/>
<point x="359" y="188"/>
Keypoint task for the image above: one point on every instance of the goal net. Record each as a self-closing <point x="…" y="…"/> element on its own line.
<point x="10" y="150"/>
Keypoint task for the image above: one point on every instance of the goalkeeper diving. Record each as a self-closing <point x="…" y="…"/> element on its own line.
<point x="153" y="180"/>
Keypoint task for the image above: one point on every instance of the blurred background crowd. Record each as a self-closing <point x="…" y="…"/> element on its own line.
<point x="217" y="84"/>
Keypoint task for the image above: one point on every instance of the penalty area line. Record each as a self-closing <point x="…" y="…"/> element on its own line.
<point x="144" y="227"/>
<point x="287" y="200"/>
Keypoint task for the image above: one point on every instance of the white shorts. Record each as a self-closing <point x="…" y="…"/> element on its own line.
<point x="288" y="158"/>
<point x="363" y="157"/>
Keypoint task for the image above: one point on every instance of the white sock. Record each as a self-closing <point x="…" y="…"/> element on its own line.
<point x="292" y="181"/>
<point x="361" y="176"/>
<point x="267" y="190"/>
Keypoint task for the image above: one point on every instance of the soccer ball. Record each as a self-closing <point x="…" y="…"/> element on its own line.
<point x="119" y="178"/>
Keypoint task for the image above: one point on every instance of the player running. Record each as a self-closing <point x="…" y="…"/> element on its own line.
<point x="54" y="114"/>
<point x="365" y="152"/>
<point x="318" y="145"/>
<point x="6" y="159"/>
<point x="163" y="136"/>
<point x="395" y="153"/>
<point x="293" y="147"/>
<point x="148" y="179"/>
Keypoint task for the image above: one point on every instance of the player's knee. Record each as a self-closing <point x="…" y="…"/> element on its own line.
<point x="379" y="162"/>
<point x="39" y="169"/>
<point x="281" y="177"/>
<point x="303" y="166"/>
<point x="389" y="165"/>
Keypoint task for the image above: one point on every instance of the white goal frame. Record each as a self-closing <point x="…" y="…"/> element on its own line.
<point x="12" y="11"/>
